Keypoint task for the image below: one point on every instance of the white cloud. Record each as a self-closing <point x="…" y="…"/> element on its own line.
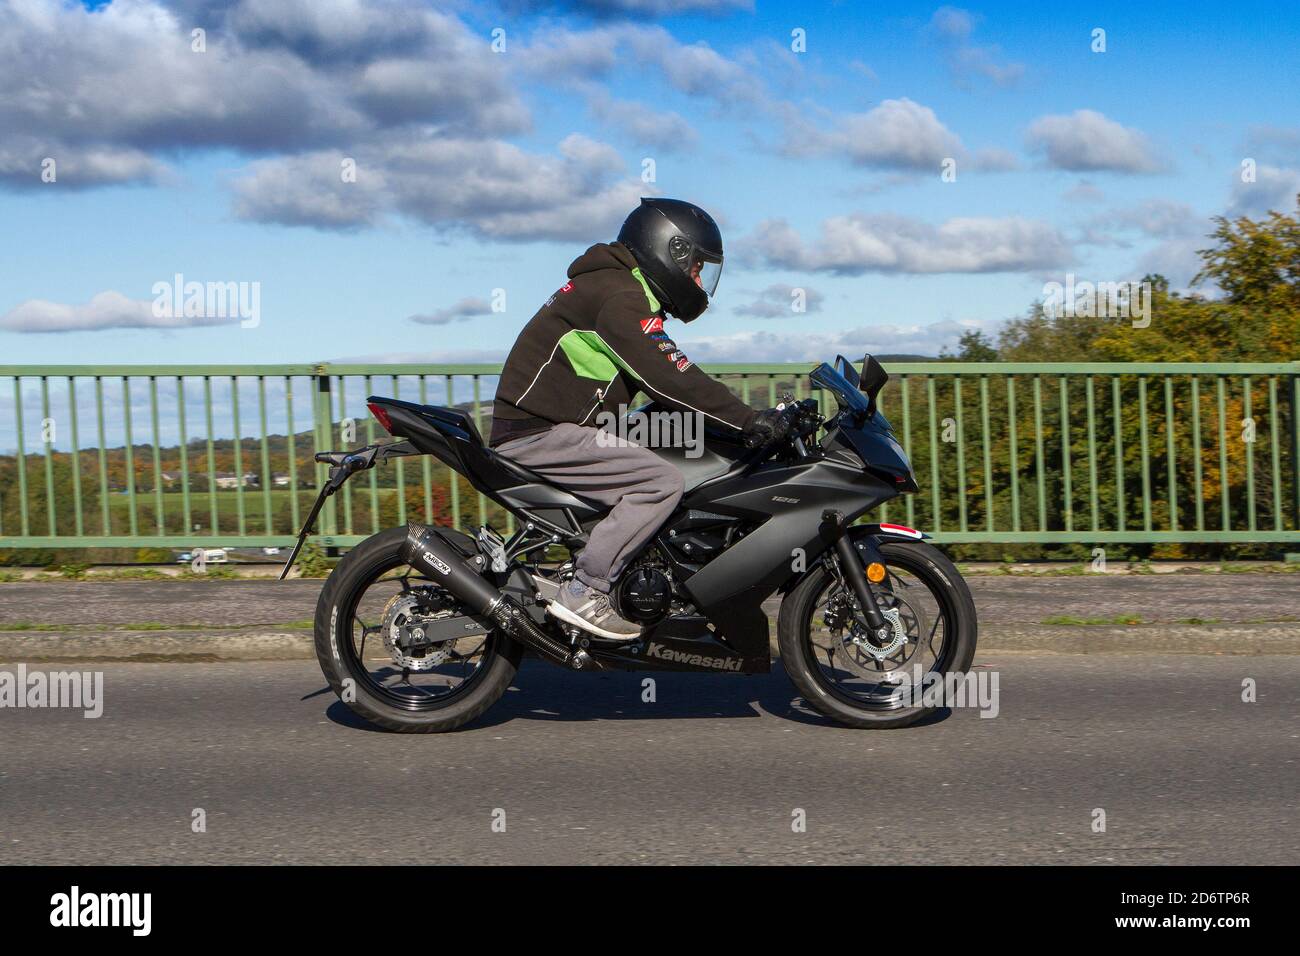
<point x="308" y="190"/>
<point x="778" y="301"/>
<point x="107" y="310"/>
<point x="1083" y="191"/>
<point x="24" y="159"/>
<point x="665" y="131"/>
<point x="1278" y="145"/>
<point x="468" y="308"/>
<point x="1159" y="218"/>
<point x="953" y="22"/>
<point x="490" y="189"/>
<point x="897" y="134"/>
<point x="329" y="29"/>
<point x="649" y="8"/>
<point x="1175" y="259"/>
<point x="695" y="69"/>
<point x="433" y="357"/>
<point x="984" y="61"/>
<point x="1180" y="229"/>
<point x="954" y="26"/>
<point x="1087" y="141"/>
<point x="103" y="92"/>
<point x="562" y="55"/>
<point x="857" y="243"/>
<point x="1274" y="188"/>
<point x="413" y="94"/>
<point x="802" y="346"/>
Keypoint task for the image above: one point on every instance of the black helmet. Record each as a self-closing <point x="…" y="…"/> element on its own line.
<point x="679" y="250"/>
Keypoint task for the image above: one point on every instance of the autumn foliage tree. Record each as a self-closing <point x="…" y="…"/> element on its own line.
<point x="1245" y="307"/>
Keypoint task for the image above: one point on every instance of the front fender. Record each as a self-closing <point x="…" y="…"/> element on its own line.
<point x="866" y="539"/>
<point x="892" y="530"/>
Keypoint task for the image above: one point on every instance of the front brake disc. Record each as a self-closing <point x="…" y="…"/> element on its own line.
<point x="875" y="660"/>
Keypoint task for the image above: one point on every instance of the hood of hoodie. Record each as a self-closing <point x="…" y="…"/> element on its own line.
<point x="603" y="255"/>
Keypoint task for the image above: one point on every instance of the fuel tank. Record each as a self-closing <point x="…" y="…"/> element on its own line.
<point x="703" y="455"/>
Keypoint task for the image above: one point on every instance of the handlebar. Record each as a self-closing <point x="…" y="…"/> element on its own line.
<point x="801" y="419"/>
<point x="803" y="416"/>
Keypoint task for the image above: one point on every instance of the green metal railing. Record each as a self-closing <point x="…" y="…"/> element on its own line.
<point x="156" y="456"/>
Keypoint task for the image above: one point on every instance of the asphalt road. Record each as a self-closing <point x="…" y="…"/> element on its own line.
<point x="712" y="772"/>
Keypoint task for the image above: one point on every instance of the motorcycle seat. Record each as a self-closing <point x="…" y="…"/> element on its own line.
<point x="459" y="418"/>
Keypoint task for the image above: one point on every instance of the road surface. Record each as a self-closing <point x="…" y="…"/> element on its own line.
<point x="717" y="770"/>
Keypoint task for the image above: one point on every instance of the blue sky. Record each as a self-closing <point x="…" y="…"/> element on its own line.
<point x="480" y="171"/>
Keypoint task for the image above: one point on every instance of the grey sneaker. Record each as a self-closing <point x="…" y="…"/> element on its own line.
<point x="591" y="610"/>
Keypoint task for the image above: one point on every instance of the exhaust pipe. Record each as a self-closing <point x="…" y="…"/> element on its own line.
<point x="430" y="553"/>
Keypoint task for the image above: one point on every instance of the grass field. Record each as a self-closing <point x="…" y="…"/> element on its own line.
<point x="365" y="517"/>
<point x="227" y="509"/>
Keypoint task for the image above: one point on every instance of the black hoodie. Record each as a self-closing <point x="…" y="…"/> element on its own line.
<point x="592" y="346"/>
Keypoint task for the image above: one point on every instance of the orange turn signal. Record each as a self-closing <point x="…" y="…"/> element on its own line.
<point x="875" y="572"/>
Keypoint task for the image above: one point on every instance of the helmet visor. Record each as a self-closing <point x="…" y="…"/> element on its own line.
<point x="706" y="275"/>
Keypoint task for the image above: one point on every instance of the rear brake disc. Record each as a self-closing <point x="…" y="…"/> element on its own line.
<point x="404" y="636"/>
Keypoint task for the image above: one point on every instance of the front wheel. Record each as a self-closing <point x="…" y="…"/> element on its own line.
<point x="373" y="623"/>
<point x="852" y="677"/>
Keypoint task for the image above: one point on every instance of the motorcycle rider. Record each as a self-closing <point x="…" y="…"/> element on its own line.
<point x="591" y="346"/>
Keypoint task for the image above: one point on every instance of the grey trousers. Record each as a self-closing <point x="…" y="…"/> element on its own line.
<point x="642" y="488"/>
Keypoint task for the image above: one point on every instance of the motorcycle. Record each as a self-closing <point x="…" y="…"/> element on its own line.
<point x="422" y="628"/>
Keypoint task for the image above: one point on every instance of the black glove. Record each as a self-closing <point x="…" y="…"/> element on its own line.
<point x="769" y="426"/>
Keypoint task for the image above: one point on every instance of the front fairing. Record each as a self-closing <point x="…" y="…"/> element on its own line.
<point x="870" y="438"/>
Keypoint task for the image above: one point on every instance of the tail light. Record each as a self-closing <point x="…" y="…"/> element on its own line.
<point x="381" y="416"/>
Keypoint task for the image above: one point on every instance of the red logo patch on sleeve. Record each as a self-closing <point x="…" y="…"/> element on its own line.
<point x="683" y="364"/>
<point x="567" y="287"/>
<point x="653" y="324"/>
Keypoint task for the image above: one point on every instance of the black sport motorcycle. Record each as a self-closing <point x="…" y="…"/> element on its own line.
<point x="422" y="628"/>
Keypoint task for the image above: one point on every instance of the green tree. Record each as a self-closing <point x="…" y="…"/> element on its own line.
<point x="1252" y="314"/>
<point x="972" y="346"/>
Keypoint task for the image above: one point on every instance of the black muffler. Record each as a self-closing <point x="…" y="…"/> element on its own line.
<point x="438" y="559"/>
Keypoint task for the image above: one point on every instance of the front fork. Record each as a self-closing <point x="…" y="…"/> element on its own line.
<point x="855" y="572"/>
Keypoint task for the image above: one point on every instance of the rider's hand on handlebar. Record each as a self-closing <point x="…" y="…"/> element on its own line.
<point x="769" y="426"/>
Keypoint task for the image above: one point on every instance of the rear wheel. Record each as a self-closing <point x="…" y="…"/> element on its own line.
<point x="373" y="624"/>
<point x="860" y="681"/>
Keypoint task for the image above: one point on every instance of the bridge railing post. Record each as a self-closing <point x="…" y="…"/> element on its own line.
<point x="323" y="431"/>
<point x="1294" y="393"/>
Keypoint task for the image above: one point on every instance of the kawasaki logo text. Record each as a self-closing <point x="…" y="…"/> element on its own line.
<point x="662" y="653"/>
